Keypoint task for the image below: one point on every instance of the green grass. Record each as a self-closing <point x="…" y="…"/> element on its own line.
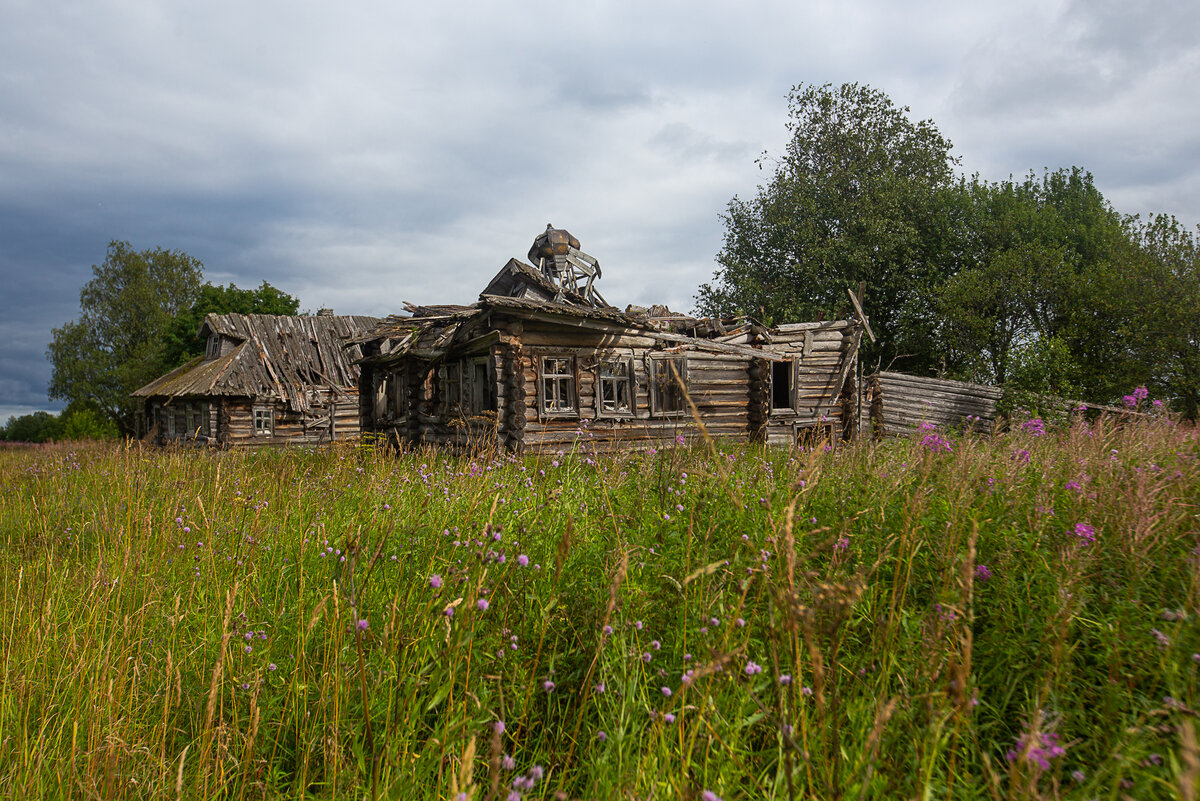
<point x="881" y="622"/>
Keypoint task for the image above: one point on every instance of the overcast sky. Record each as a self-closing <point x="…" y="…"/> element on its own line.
<point x="373" y="152"/>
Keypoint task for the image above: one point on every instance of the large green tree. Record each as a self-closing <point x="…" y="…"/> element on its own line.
<point x="116" y="344"/>
<point x="181" y="338"/>
<point x="858" y="195"/>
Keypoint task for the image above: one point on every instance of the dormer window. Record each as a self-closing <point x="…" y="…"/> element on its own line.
<point x="214" y="346"/>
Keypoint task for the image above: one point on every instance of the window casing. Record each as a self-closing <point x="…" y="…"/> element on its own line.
<point x="614" y="381"/>
<point x="264" y="421"/>
<point x="668" y="385"/>
<point x="214" y="347"/>
<point x="556" y="386"/>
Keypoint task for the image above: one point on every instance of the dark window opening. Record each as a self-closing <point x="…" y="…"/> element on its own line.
<point x="781" y="385"/>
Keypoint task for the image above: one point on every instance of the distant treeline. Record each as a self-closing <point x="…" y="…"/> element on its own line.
<point x="77" y="421"/>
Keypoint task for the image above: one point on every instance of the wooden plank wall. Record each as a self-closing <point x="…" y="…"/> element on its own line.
<point x="899" y="403"/>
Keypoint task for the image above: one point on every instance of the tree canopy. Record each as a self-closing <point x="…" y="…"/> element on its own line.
<point x="1036" y="282"/>
<point x="852" y="199"/>
<point x="115" y="346"/>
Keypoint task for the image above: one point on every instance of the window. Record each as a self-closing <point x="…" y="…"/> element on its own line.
<point x="169" y="413"/>
<point x="193" y="420"/>
<point x="558" y="385"/>
<point x="481" y="390"/>
<point x="782" y="385"/>
<point x="264" y="422"/>
<point x="452" y="388"/>
<point x="668" y="385"/>
<point x="616" y="387"/>
<point x="204" y="426"/>
<point x="214" y="346"/>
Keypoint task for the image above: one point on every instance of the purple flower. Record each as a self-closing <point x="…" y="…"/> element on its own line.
<point x="482" y="604"/>
<point x="669" y="718"/>
<point x="982" y="572"/>
<point x="666" y="691"/>
<point x="363" y="625"/>
<point x="1085" y="532"/>
<point x="523" y="560"/>
<point x="709" y="795"/>
<point x="1034" y="426"/>
<point x="1141" y="393"/>
<point x="1021" y="455"/>
<point x="1039" y="751"/>
<point x="607" y="630"/>
<point x="1129" y="401"/>
<point x="271" y="666"/>
<point x="435" y="581"/>
<point x="936" y="443"/>
<point x="785" y="679"/>
<point x="548" y="686"/>
<point x="601" y="736"/>
<point x="753" y="668"/>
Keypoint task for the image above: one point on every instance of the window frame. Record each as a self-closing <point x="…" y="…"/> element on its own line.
<point x="657" y="385"/>
<point x="616" y="381"/>
<point x="212" y="348"/>
<point x="571" y="377"/>
<point x="269" y="413"/>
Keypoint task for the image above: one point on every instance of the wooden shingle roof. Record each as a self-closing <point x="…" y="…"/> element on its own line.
<point x="278" y="357"/>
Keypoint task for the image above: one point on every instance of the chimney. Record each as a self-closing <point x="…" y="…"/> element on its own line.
<point x="324" y="312"/>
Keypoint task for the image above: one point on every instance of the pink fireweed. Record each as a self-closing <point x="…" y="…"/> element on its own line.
<point x="1085" y="532"/>
<point x="936" y="443"/>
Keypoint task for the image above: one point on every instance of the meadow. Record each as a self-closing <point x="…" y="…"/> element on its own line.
<point x="951" y="616"/>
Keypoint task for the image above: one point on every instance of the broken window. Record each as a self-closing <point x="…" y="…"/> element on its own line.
<point x="214" y="347"/>
<point x="668" y="385"/>
<point x="616" y="386"/>
<point x="481" y="393"/>
<point x="452" y="388"/>
<point x="558" y="385"/>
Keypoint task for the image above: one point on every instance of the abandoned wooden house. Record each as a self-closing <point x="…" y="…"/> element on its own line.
<point x="264" y="380"/>
<point x="541" y="361"/>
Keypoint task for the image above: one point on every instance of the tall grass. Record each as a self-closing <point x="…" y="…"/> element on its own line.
<point x="1012" y="618"/>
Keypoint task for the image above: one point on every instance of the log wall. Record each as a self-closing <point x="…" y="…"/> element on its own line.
<point x="900" y="403"/>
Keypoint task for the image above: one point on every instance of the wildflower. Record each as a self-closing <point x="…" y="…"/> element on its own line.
<point x="982" y="573"/>
<point x="1021" y="455"/>
<point x="271" y="666"/>
<point x="435" y="581"/>
<point x="666" y="691"/>
<point x="936" y="443"/>
<point x="249" y="648"/>
<point x="709" y="795"/>
<point x="608" y="630"/>
<point x="1162" y="639"/>
<point x="655" y="644"/>
<point x="741" y="622"/>
<point x="599" y="688"/>
<point x="507" y="762"/>
<point x="1074" y="485"/>
<point x="548" y="686"/>
<point x="842" y="544"/>
<point x="753" y="668"/>
<point x="1141" y="393"/>
<point x="806" y="690"/>
<point x="637" y="624"/>
<point x="1039" y="752"/>
<point x="1034" y="426"/>
<point x="1085" y="532"/>
<point x="601" y="736"/>
<point x="523" y="560"/>
<point x="1077" y="776"/>
<point x="482" y="604"/>
<point x="646" y="657"/>
<point x="1129" y="401"/>
<point x="785" y="679"/>
<point x="669" y="718"/>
